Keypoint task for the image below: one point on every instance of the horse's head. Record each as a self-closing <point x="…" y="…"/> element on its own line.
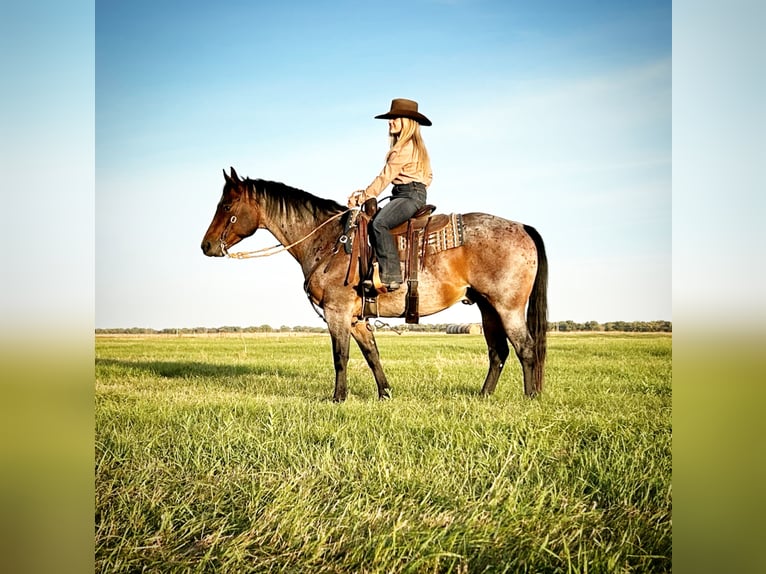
<point x="235" y="217"/>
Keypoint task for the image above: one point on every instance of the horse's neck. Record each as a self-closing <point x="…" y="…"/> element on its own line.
<point x="299" y="231"/>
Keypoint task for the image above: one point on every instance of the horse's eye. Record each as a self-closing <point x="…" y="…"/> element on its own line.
<point x="227" y="207"/>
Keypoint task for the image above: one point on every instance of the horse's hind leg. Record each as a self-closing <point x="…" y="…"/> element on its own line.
<point x="523" y="344"/>
<point x="497" y="345"/>
<point x="366" y="341"/>
<point x="498" y="330"/>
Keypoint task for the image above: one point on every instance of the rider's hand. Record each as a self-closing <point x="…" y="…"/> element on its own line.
<point x="356" y="199"/>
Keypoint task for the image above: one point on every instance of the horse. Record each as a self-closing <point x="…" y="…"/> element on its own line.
<point x="501" y="267"/>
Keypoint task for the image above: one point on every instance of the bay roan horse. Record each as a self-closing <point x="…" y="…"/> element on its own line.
<point x="501" y="266"/>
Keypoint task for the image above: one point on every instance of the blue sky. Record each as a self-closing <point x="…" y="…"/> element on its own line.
<point x="556" y="114"/>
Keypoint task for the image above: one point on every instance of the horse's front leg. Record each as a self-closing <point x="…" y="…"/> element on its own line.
<point x="366" y="341"/>
<point x="340" y="334"/>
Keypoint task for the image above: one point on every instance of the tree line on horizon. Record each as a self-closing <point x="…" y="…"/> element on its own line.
<point x="557" y="326"/>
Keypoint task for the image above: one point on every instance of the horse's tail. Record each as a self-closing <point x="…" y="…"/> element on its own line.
<point x="537" y="310"/>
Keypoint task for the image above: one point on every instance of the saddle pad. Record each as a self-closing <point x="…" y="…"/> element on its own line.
<point x="444" y="232"/>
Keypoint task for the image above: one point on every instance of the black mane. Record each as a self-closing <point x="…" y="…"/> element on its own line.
<point x="281" y="199"/>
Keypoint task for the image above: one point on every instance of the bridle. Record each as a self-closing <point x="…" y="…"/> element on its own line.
<point x="232" y="221"/>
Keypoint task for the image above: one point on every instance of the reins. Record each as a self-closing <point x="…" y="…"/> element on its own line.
<point x="278" y="248"/>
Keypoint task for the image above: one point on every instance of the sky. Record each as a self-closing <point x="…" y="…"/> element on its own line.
<point x="556" y="114"/>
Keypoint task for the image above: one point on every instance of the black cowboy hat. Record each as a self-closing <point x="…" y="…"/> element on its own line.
<point x="401" y="108"/>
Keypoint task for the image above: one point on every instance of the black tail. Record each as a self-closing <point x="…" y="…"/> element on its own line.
<point x="537" y="309"/>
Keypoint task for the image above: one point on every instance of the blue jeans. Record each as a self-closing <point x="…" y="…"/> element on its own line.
<point x="406" y="200"/>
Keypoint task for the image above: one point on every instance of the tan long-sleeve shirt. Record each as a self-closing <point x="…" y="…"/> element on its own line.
<point x="400" y="168"/>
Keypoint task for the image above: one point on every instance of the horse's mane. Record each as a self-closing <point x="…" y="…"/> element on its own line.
<point x="280" y="200"/>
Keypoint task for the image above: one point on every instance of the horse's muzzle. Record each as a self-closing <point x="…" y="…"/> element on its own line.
<point x="212" y="248"/>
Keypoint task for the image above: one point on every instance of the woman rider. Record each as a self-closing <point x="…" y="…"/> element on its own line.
<point x="408" y="167"/>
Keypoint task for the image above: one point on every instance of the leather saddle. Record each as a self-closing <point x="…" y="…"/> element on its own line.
<point x="411" y="237"/>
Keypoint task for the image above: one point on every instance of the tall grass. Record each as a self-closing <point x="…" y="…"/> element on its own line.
<point x="225" y="455"/>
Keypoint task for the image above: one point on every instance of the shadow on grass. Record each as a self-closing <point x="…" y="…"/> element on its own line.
<point x="281" y="382"/>
<point x="192" y="370"/>
<point x="265" y="381"/>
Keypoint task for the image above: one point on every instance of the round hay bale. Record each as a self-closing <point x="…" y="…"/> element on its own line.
<point x="464" y="329"/>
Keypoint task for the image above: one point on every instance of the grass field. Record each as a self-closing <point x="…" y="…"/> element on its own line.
<point x="226" y="455"/>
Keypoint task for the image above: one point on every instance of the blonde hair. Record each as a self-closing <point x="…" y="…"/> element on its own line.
<point x="411" y="132"/>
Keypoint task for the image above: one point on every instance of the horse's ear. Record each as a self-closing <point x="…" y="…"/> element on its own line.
<point x="226" y="176"/>
<point x="234" y="175"/>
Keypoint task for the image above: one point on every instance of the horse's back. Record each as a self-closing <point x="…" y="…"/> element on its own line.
<point x="486" y="231"/>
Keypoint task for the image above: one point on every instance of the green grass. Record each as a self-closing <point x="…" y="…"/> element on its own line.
<point x="226" y="455"/>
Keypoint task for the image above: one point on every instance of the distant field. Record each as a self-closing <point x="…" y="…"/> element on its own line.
<point x="224" y="454"/>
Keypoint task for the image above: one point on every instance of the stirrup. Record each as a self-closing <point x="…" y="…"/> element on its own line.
<point x="377" y="284"/>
